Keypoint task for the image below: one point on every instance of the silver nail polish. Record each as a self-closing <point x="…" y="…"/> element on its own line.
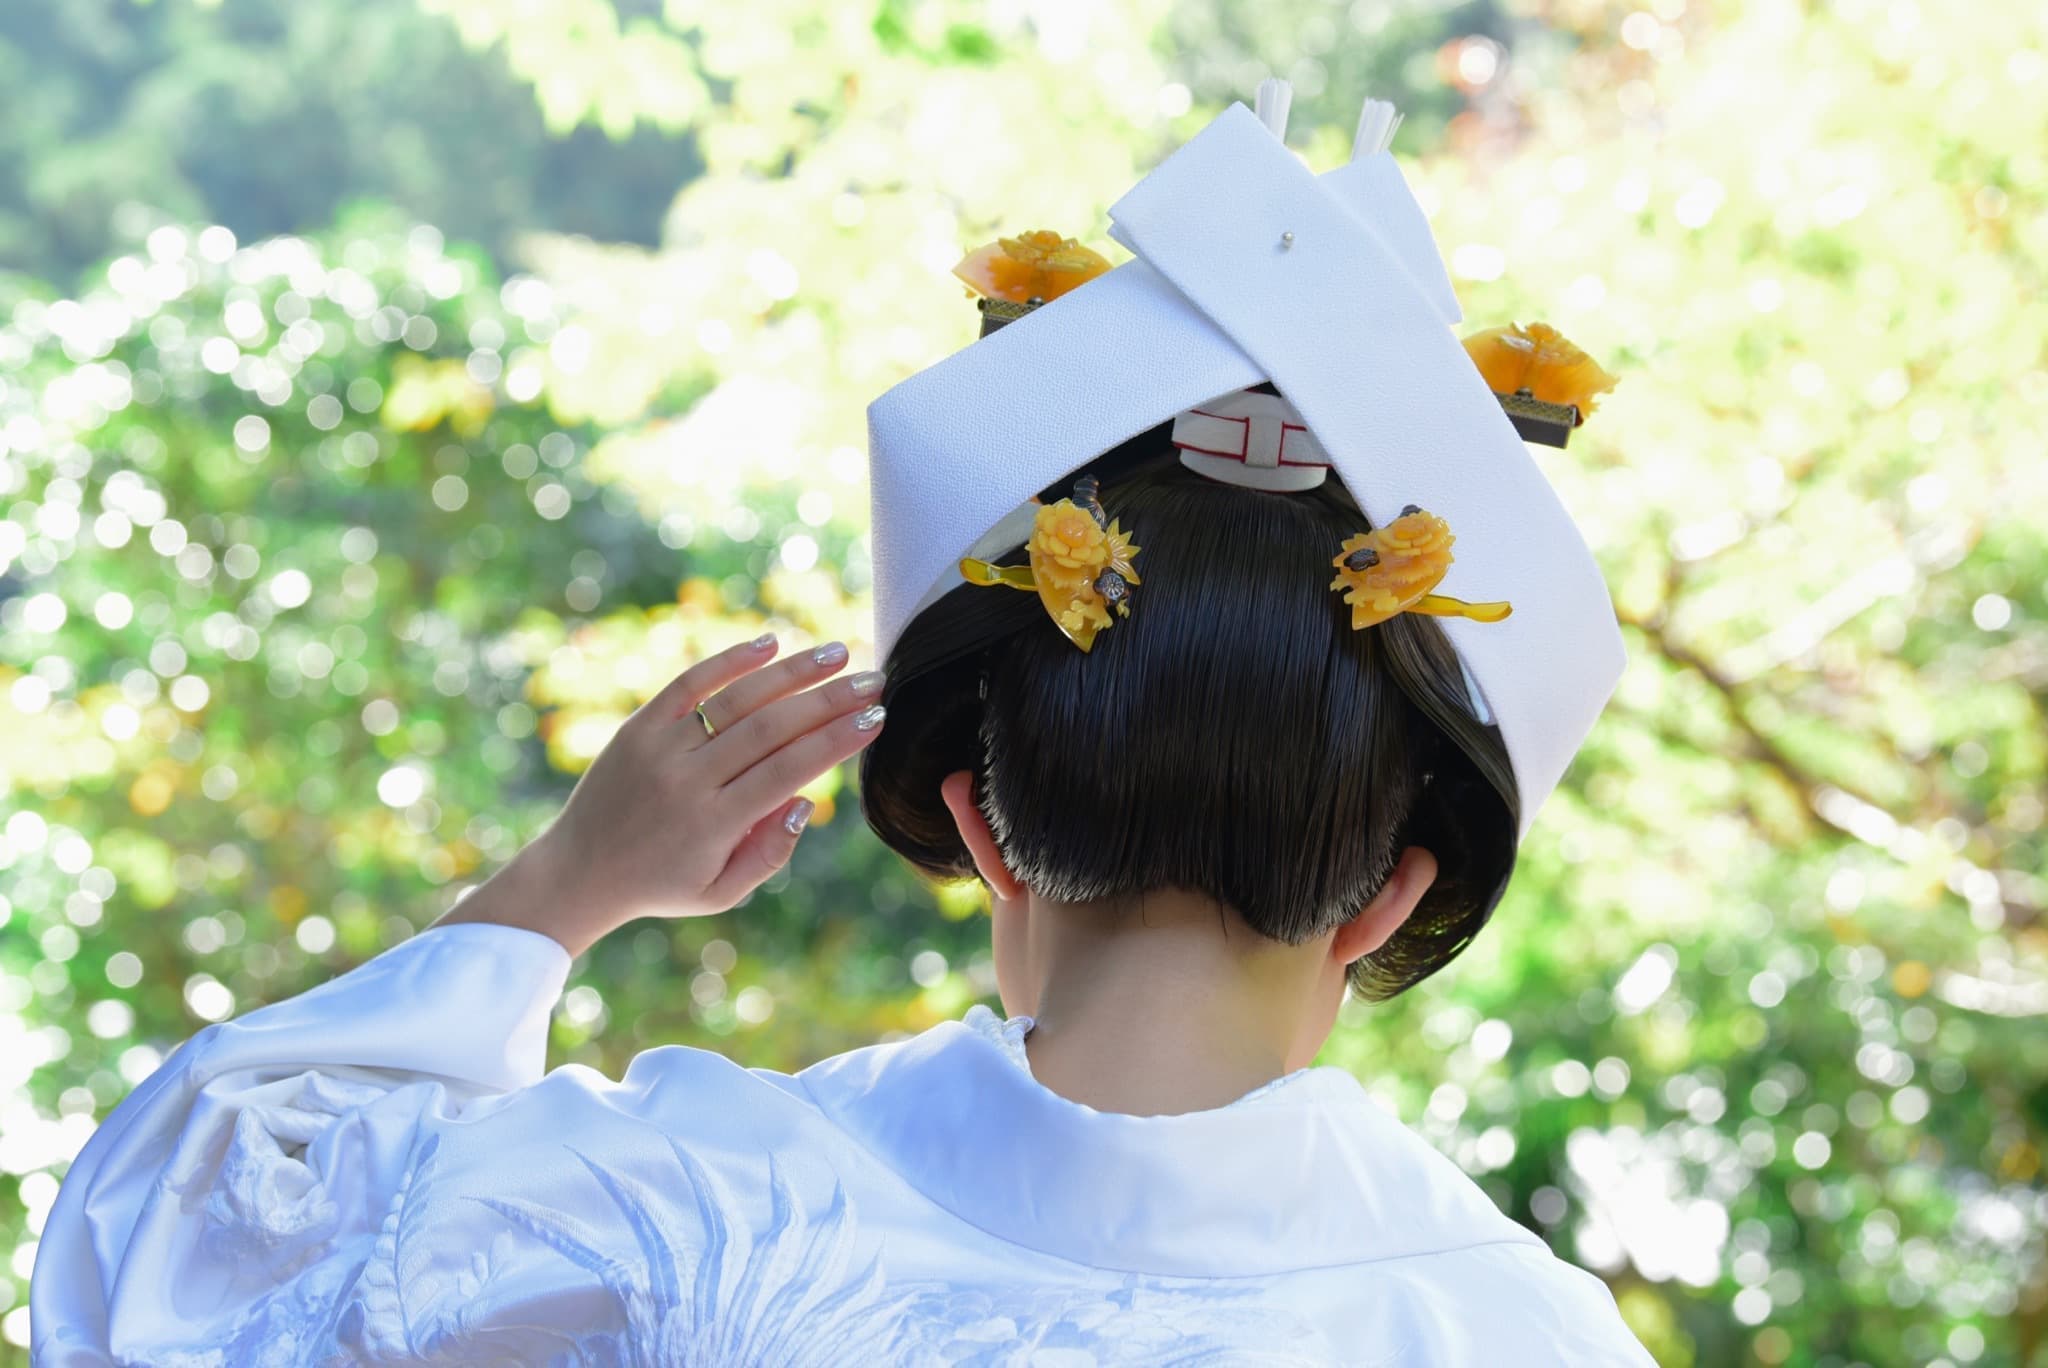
<point x="799" y="816"/>
<point x="831" y="653"/>
<point x="763" y="641"/>
<point x="869" y="718"/>
<point x="866" y="682"/>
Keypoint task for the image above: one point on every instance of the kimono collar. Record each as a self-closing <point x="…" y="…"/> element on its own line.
<point x="1304" y="1175"/>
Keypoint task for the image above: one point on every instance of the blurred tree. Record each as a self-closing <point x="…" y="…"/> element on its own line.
<point x="310" y="616"/>
<point x="1757" y="1033"/>
<point x="1434" y="61"/>
<point x="268" y="116"/>
<point x="1808" y="831"/>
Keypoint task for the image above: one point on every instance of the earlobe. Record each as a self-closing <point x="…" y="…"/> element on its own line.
<point x="958" y="791"/>
<point x="1377" y="922"/>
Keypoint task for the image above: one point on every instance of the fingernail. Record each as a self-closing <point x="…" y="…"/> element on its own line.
<point x="869" y="718"/>
<point x="867" y="682"/>
<point x="831" y="653"/>
<point x="799" y="816"/>
<point x="763" y="641"/>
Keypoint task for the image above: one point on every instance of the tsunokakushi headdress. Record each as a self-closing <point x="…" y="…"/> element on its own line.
<point x="1286" y="323"/>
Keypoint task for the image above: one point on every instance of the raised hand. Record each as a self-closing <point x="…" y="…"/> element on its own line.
<point x="670" y="822"/>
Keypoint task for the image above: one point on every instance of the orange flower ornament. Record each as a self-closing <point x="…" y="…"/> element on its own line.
<point x="1080" y="565"/>
<point x="1541" y="360"/>
<point x="1393" y="568"/>
<point x="1040" y="264"/>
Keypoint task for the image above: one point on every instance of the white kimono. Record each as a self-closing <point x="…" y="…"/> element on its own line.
<point x="379" y="1171"/>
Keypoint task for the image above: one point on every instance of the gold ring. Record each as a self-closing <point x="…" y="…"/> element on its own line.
<point x="709" y="730"/>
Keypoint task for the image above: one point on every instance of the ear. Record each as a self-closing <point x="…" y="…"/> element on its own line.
<point x="1383" y="916"/>
<point x="958" y="790"/>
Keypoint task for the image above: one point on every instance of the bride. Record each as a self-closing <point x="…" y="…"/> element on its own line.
<point x="1208" y="794"/>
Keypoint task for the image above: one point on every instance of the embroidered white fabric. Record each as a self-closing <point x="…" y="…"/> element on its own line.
<point x="380" y="1171"/>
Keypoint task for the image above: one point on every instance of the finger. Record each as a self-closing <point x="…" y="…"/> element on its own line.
<point x="783" y="721"/>
<point x="763" y="850"/>
<point x="739" y="700"/>
<point x="707" y="676"/>
<point x="775" y="776"/>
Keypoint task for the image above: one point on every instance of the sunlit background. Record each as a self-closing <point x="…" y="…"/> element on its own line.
<point x="392" y="395"/>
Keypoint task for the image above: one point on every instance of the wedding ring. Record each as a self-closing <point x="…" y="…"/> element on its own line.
<point x="709" y="730"/>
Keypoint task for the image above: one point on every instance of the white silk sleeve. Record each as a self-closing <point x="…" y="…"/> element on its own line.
<point x="264" y="1152"/>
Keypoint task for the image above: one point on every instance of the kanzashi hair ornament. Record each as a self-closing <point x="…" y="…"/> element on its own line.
<point x="1546" y="385"/>
<point x="1392" y="570"/>
<point x="1014" y="275"/>
<point x="1080" y="565"/>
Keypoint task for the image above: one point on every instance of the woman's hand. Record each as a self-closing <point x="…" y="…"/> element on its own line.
<point x="668" y="822"/>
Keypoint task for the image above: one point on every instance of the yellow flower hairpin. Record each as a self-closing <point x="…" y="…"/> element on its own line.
<point x="1080" y="565"/>
<point x="1392" y="569"/>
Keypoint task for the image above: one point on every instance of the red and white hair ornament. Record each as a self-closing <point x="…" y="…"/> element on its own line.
<point x="1251" y="438"/>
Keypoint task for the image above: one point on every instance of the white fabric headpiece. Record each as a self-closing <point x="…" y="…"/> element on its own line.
<point x="1351" y="315"/>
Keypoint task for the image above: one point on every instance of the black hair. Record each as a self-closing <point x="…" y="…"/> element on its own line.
<point x="1233" y="736"/>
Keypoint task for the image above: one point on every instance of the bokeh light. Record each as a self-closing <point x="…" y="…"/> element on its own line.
<point x="349" y="504"/>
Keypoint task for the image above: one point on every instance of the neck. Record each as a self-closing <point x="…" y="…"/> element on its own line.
<point x="1172" y="1004"/>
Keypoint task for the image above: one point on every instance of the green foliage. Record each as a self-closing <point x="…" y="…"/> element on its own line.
<point x="960" y="43"/>
<point x="311" y="624"/>
<point x="270" y="116"/>
<point x="1756" y="1031"/>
